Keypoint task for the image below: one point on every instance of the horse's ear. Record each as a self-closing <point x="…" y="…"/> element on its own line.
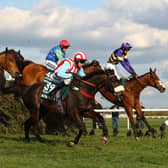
<point x="150" y="69"/>
<point x="154" y="70"/>
<point x="19" y="52"/>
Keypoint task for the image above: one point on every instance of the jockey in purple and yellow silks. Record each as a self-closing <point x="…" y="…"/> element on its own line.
<point x="56" y="55"/>
<point x="120" y="56"/>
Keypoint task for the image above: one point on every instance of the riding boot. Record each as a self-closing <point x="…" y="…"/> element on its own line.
<point x="59" y="103"/>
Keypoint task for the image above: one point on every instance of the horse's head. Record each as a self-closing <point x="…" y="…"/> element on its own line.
<point x="8" y="62"/>
<point x="91" y="67"/>
<point x="19" y="59"/>
<point x="155" y="81"/>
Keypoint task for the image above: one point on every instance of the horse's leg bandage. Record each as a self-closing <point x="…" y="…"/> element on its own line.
<point x="119" y="88"/>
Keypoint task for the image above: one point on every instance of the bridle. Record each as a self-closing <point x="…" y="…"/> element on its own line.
<point x="5" y="65"/>
<point x="154" y="80"/>
<point x="91" y="85"/>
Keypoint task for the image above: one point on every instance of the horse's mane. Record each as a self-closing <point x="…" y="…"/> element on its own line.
<point x="88" y="76"/>
<point x="23" y="64"/>
<point x="141" y="76"/>
<point x="94" y="62"/>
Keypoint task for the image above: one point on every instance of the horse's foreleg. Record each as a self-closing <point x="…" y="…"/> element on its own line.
<point x="27" y="126"/>
<point x="35" y="119"/>
<point x="100" y="119"/>
<point x="151" y="129"/>
<point x="129" y="111"/>
<point x="141" y="115"/>
<point x="80" y="124"/>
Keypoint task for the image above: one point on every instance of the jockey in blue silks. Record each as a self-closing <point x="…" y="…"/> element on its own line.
<point x="120" y="56"/>
<point x="56" y="55"/>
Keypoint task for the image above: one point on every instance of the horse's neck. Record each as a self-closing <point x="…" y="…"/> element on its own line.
<point x="93" y="84"/>
<point x="141" y="82"/>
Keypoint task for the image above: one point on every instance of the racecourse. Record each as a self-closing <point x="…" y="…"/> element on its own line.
<point x="120" y="151"/>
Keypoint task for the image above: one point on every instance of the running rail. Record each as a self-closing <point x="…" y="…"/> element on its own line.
<point x="123" y="110"/>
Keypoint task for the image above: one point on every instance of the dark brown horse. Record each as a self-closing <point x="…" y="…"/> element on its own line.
<point x="8" y="63"/>
<point x="77" y="104"/>
<point x="131" y="101"/>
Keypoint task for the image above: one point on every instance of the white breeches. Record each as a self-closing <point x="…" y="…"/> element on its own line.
<point x="113" y="67"/>
<point x="50" y="65"/>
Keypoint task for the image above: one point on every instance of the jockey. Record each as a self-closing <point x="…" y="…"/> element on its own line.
<point x="56" y="55"/>
<point x="63" y="74"/>
<point x="120" y="56"/>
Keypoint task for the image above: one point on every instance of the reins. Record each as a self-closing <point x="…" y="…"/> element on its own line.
<point x="83" y="92"/>
<point x="88" y="83"/>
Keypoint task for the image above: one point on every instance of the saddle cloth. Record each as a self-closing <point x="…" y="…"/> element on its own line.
<point x="50" y="89"/>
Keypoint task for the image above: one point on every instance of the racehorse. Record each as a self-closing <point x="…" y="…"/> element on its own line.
<point x="8" y="63"/>
<point x="77" y="103"/>
<point x="33" y="72"/>
<point x="133" y="88"/>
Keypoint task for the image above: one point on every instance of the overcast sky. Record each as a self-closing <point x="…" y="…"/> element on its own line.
<point x="94" y="26"/>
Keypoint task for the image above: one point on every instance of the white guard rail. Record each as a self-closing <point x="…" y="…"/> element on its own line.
<point x="123" y="110"/>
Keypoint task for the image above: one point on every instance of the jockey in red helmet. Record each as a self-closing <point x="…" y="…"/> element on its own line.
<point x="63" y="75"/>
<point x="57" y="54"/>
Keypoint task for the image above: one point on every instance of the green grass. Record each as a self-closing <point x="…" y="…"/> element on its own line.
<point x="120" y="152"/>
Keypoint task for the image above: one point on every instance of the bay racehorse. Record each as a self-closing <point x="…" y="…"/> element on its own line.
<point x="77" y="103"/>
<point x="8" y="63"/>
<point x="33" y="72"/>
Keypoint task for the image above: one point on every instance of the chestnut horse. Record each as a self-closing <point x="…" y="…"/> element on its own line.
<point x="8" y="63"/>
<point x="77" y="103"/>
<point x="133" y="88"/>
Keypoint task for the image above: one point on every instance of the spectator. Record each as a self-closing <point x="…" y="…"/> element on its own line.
<point x="115" y="120"/>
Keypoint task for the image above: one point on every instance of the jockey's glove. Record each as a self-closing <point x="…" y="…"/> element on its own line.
<point x="67" y="81"/>
<point x="134" y="75"/>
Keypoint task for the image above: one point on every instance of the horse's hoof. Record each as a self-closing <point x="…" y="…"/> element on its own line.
<point x="71" y="144"/>
<point x="104" y="140"/>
